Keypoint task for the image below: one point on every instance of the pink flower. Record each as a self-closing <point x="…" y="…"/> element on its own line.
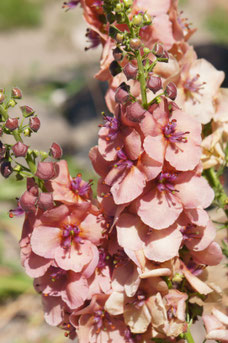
<point x="69" y="190"/>
<point x="216" y="325"/>
<point x="94" y="324"/>
<point x="173" y="193"/>
<point x="69" y="237"/>
<point x="174" y="137"/>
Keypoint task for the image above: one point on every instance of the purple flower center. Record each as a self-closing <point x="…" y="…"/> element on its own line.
<point x="192" y="86"/>
<point x="18" y="211"/>
<point x="102" y="319"/>
<point x="70" y="235"/>
<point x="130" y="337"/>
<point x="112" y="124"/>
<point x="165" y="182"/>
<point x="190" y="232"/>
<point x="171" y="135"/>
<point x="56" y="273"/>
<point x="79" y="186"/>
<point x="69" y="5"/>
<point x="120" y="258"/>
<point x="123" y="162"/>
<point x="103" y="258"/>
<point x="93" y="39"/>
<point x="195" y="268"/>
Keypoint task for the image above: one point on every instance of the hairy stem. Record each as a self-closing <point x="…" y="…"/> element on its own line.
<point x="188" y="336"/>
<point x="142" y="79"/>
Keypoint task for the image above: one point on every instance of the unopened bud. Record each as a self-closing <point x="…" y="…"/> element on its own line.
<point x="130" y="71"/>
<point x="34" y="124"/>
<point x="158" y="50"/>
<point x="146" y="51"/>
<point x="6" y="169"/>
<point x="121" y="96"/>
<point x="117" y="54"/>
<point x="2" y="150"/>
<point x="154" y="83"/>
<point x="45" y="170"/>
<point x="27" y="132"/>
<point x="45" y="201"/>
<point x="119" y="37"/>
<point x="27" y="111"/>
<point x="20" y="149"/>
<point x="171" y="91"/>
<point x="135" y="112"/>
<point x="28" y="201"/>
<point x="118" y="8"/>
<point x="137" y="20"/>
<point x="115" y="68"/>
<point x="56" y="151"/>
<point x="11" y="124"/>
<point x="147" y="19"/>
<point x="135" y="43"/>
<point x="16" y="93"/>
<point x="11" y="103"/>
<point x="128" y="3"/>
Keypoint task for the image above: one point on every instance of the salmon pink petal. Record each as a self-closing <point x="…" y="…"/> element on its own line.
<point x="55" y="216"/>
<point x="53" y="313"/>
<point x="155" y="147"/>
<point x="149" y="167"/>
<point x="126" y="278"/>
<point x="131" y="232"/>
<point x="63" y="175"/>
<point x="195" y="192"/>
<point x="137" y="320"/>
<point x="149" y="126"/>
<point x="36" y="266"/>
<point x="90" y="268"/>
<point x="45" y="240"/>
<point x="153" y="205"/>
<point x="162" y="31"/>
<point x="91" y="228"/>
<point x="132" y="143"/>
<point x="162" y="245"/>
<point x="205" y="237"/>
<point x="197" y="216"/>
<point x="76" y="291"/>
<point x="129" y="186"/>
<point x="74" y="258"/>
<point x="108" y="148"/>
<point x="211" y="256"/>
<point x="101" y="166"/>
<point x="156" y="7"/>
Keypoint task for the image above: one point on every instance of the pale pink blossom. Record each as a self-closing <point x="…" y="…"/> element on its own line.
<point x="216" y="325"/>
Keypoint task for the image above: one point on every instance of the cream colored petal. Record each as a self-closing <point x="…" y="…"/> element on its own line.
<point x="115" y="304"/>
<point x="137" y="319"/>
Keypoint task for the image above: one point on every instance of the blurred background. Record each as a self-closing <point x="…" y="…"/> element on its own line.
<point x="42" y="53"/>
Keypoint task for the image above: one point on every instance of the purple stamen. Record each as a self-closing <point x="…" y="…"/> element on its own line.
<point x="192" y="86"/>
<point x="18" y="211"/>
<point x="140" y="299"/>
<point x="70" y="235"/>
<point x="189" y="232"/>
<point x="123" y="162"/>
<point x="112" y="124"/>
<point x="79" y="186"/>
<point x="102" y="319"/>
<point x="171" y="135"/>
<point x="56" y="273"/>
<point x="194" y="268"/>
<point x="93" y="39"/>
<point x="165" y="182"/>
<point x="69" y="5"/>
<point x="130" y="337"/>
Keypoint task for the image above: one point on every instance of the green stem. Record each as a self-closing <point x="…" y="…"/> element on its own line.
<point x="155" y="99"/>
<point x="221" y="196"/>
<point x="188" y="336"/>
<point x="17" y="136"/>
<point x="142" y="79"/>
<point x="4" y="112"/>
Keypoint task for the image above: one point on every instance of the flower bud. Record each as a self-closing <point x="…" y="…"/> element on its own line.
<point x="171" y="91"/>
<point x="137" y="20"/>
<point x="158" y="50"/>
<point x="45" y="201"/>
<point x="135" y="112"/>
<point x="27" y="111"/>
<point x="130" y="71"/>
<point x="135" y="43"/>
<point x="34" y="124"/>
<point x="121" y="96"/>
<point x="128" y="3"/>
<point x="20" y="149"/>
<point x="2" y="96"/>
<point x="147" y="19"/>
<point x="27" y="132"/>
<point x="165" y="57"/>
<point x="1" y="132"/>
<point x="56" y="151"/>
<point x="11" y="124"/>
<point x="45" y="170"/>
<point x="6" y="169"/>
<point x="115" y="68"/>
<point x="146" y="50"/>
<point x="154" y="83"/>
<point x="11" y="103"/>
<point x="119" y="37"/>
<point x="118" y="8"/>
<point x="2" y="150"/>
<point x="28" y="201"/>
<point x="16" y="93"/>
<point x="117" y="54"/>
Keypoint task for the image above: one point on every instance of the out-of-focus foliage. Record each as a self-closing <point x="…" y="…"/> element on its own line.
<point x="20" y="13"/>
<point x="217" y="24"/>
